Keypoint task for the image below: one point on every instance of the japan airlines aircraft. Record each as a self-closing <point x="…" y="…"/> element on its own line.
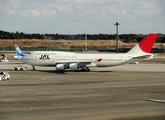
<point x="82" y="62"/>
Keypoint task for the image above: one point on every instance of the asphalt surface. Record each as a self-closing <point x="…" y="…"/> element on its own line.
<point x="41" y="95"/>
<point x="115" y="93"/>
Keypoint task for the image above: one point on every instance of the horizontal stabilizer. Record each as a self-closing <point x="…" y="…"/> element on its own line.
<point x="18" y="57"/>
<point x="143" y="57"/>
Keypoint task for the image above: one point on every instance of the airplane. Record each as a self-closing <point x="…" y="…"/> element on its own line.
<point x="19" y="53"/>
<point x="82" y="62"/>
<point x="155" y="100"/>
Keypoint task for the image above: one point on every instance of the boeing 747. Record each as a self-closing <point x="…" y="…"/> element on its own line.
<point x="82" y="62"/>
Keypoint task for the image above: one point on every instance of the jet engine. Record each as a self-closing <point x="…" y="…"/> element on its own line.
<point x="74" y="66"/>
<point x="60" y="67"/>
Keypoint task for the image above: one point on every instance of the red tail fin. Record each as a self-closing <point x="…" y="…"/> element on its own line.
<point x="147" y="43"/>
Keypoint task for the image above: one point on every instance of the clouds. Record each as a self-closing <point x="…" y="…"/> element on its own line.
<point x="9" y="7"/>
<point x="98" y="2"/>
<point x="38" y="13"/>
<point x="40" y="8"/>
<point x="76" y="15"/>
<point x="147" y="8"/>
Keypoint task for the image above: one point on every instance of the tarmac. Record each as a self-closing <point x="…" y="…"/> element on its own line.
<point x="113" y="93"/>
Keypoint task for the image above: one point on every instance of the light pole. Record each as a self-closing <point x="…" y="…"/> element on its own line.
<point x="86" y="42"/>
<point x="116" y="24"/>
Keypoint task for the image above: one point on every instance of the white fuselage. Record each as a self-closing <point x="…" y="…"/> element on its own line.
<point x="52" y="58"/>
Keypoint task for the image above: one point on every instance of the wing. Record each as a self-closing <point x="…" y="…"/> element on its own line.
<point x="89" y="63"/>
<point x="83" y="62"/>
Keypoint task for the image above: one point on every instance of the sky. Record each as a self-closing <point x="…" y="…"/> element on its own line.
<point x="83" y="16"/>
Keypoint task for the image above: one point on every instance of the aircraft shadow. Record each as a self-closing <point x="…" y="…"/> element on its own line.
<point x="72" y="71"/>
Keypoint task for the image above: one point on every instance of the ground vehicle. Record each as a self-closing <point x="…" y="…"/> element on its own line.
<point x="4" y="75"/>
<point x="20" y="67"/>
<point x="3" y="58"/>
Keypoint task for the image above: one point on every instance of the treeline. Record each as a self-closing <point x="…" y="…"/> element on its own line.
<point x="19" y="35"/>
<point x="122" y="37"/>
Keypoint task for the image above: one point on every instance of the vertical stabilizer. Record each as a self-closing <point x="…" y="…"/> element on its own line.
<point x="19" y="53"/>
<point x="145" y="45"/>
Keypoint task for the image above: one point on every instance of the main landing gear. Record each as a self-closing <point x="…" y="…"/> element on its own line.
<point x="84" y="69"/>
<point x="33" y="68"/>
